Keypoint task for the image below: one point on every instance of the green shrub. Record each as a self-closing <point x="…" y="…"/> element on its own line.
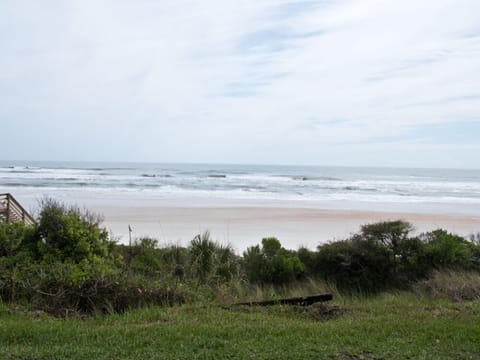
<point x="227" y="264"/>
<point x="16" y="249"/>
<point x="68" y="264"/>
<point x="145" y="259"/>
<point x="356" y="264"/>
<point x="390" y="234"/>
<point x="174" y="260"/>
<point x="272" y="264"/>
<point x="16" y="237"/>
<point x="87" y="287"/>
<point x="308" y="258"/>
<point x="68" y="233"/>
<point x="413" y="260"/>
<point x="446" y="250"/>
<point x="474" y="248"/>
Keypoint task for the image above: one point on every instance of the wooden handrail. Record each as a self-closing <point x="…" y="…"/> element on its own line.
<point x="11" y="211"/>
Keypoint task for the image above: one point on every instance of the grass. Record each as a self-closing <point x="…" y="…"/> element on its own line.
<point x="391" y="326"/>
<point x="457" y="286"/>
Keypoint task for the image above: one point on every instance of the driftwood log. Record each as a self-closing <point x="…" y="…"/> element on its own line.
<point x="302" y="301"/>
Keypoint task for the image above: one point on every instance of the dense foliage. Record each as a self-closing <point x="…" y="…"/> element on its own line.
<point x="67" y="262"/>
<point x="384" y="255"/>
<point x="272" y="263"/>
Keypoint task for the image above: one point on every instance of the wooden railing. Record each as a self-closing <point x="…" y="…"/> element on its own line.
<point x="11" y="211"/>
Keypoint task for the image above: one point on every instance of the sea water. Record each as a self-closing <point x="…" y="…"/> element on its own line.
<point x="359" y="188"/>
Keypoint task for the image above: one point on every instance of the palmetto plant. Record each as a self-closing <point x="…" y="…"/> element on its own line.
<point x="227" y="264"/>
<point x="202" y="252"/>
<point x="210" y="260"/>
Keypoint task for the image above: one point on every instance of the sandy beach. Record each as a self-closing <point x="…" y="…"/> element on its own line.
<point x="246" y="226"/>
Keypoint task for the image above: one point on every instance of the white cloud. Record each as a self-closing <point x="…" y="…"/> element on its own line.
<point x="270" y="81"/>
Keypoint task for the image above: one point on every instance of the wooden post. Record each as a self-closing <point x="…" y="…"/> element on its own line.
<point x="130" y="236"/>
<point x="7" y="215"/>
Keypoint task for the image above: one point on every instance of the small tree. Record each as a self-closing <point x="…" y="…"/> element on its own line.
<point x="390" y="234"/>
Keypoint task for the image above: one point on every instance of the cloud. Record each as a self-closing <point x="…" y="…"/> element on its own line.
<point x="270" y="81"/>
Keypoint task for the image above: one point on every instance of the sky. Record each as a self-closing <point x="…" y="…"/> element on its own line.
<point x="326" y="82"/>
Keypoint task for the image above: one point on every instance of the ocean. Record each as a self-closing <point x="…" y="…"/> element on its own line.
<point x="361" y="188"/>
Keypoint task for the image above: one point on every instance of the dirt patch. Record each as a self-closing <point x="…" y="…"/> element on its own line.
<point x="316" y="312"/>
<point x="321" y="312"/>
<point x="366" y="355"/>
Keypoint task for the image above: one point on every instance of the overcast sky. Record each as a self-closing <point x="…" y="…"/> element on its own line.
<point x="340" y="82"/>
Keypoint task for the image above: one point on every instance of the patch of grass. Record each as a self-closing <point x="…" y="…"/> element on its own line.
<point x="241" y="291"/>
<point x="456" y="286"/>
<point x="392" y="326"/>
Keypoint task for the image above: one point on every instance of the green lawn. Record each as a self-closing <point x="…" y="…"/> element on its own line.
<point x="391" y="327"/>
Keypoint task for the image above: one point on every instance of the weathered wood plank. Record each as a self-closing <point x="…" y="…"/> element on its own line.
<point x="303" y="301"/>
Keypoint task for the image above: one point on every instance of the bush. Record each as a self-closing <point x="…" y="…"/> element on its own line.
<point x="272" y="264"/>
<point x="65" y="287"/>
<point x="16" y="237"/>
<point x="228" y="266"/>
<point x="390" y="234"/>
<point x="446" y="250"/>
<point x="68" y="233"/>
<point x="413" y="260"/>
<point x="144" y="257"/>
<point x="308" y="259"/>
<point x="67" y="264"/>
<point x="16" y="249"/>
<point x="355" y="264"/>
<point x="174" y="260"/>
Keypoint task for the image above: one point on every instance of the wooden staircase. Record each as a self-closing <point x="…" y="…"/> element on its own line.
<point x="11" y="211"/>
